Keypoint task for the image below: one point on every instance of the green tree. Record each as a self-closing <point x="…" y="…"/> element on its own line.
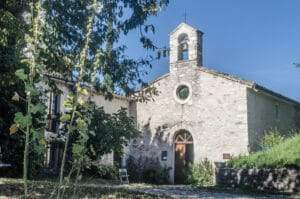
<point x="11" y="43"/>
<point x="108" y="133"/>
<point x="113" y="131"/>
<point x="82" y="39"/>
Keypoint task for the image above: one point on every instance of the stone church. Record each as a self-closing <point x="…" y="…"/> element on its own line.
<point x="199" y="113"/>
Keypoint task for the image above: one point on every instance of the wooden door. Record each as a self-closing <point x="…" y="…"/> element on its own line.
<point x="184" y="155"/>
<point x="179" y="163"/>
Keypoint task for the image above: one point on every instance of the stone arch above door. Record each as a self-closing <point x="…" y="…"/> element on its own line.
<point x="183" y="136"/>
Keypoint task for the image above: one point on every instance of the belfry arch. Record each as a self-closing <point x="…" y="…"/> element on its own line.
<point x="183" y="47"/>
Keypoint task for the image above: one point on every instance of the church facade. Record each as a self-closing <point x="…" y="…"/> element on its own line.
<point x="201" y="113"/>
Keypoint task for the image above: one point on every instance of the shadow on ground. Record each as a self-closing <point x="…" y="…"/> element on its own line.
<point x="13" y="188"/>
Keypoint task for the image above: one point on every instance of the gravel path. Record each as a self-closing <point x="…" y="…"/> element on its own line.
<point x="188" y="192"/>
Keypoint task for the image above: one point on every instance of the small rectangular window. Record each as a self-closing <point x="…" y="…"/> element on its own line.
<point x="164" y="156"/>
<point x="56" y="104"/>
<point x="226" y="156"/>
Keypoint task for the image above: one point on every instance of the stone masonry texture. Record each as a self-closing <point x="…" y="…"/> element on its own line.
<point x="224" y="114"/>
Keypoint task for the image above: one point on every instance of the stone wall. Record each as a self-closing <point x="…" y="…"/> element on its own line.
<point x="263" y="116"/>
<point x="215" y="114"/>
<point x="283" y="180"/>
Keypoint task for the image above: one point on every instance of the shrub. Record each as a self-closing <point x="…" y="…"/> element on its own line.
<point x="271" y="139"/>
<point x="158" y="175"/>
<point x="201" y="174"/>
<point x="133" y="169"/>
<point x="108" y="172"/>
<point x="147" y="170"/>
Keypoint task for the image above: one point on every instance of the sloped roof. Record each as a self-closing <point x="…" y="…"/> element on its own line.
<point x="186" y="25"/>
<point x="251" y="84"/>
<point x="226" y="76"/>
<point x="69" y="82"/>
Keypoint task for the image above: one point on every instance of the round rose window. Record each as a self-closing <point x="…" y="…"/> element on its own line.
<point x="183" y="92"/>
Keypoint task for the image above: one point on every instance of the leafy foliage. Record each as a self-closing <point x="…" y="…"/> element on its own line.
<point x="201" y="174"/>
<point x="80" y="38"/>
<point x="113" y="131"/>
<point x="101" y="171"/>
<point x="12" y="30"/>
<point x="30" y="122"/>
<point x="287" y="153"/>
<point x="107" y="67"/>
<point x="95" y="133"/>
<point x="76" y="39"/>
<point x="17" y="49"/>
<point x="147" y="170"/>
<point x="271" y="139"/>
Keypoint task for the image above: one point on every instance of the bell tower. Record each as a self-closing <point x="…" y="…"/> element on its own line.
<point x="185" y="46"/>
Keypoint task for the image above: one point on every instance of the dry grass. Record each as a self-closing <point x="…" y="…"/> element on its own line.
<point x="98" y="189"/>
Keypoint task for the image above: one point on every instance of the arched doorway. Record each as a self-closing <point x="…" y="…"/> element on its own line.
<point x="184" y="155"/>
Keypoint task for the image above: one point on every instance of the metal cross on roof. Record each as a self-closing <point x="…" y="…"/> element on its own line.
<point x="185" y="16"/>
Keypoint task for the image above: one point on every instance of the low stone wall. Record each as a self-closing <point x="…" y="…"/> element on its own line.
<point x="273" y="180"/>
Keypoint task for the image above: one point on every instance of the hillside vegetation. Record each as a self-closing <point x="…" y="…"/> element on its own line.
<point x="287" y="153"/>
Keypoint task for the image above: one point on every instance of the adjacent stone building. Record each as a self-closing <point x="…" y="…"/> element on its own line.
<point x="54" y="139"/>
<point x="201" y="113"/>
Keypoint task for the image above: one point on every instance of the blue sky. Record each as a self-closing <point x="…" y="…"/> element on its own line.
<point x="257" y="40"/>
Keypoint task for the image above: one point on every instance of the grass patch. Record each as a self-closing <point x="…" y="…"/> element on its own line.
<point x="282" y="155"/>
<point x="43" y="189"/>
